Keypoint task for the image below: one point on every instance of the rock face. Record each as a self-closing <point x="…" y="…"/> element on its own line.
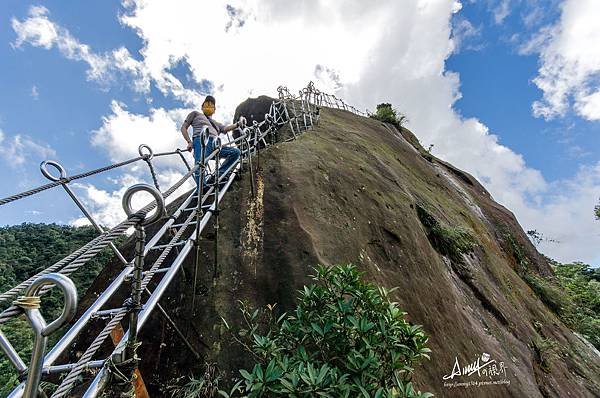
<point x="253" y="109"/>
<point x="354" y="190"/>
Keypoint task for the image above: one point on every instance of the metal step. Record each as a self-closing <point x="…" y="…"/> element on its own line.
<point x="107" y="313"/>
<point x="182" y="224"/>
<point x="160" y="247"/>
<point x="158" y="271"/>
<point x="194" y="208"/>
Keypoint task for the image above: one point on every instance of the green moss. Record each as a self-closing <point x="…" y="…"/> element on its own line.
<point x="549" y="293"/>
<point x="545" y="349"/>
<point x="450" y="241"/>
<point x="572" y="293"/>
<point x="546" y="290"/>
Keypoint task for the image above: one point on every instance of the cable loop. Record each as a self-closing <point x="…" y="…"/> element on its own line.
<point x="147" y="155"/>
<point x="160" y="202"/>
<point x="61" y="170"/>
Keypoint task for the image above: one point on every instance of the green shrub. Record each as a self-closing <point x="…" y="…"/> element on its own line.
<point x="345" y="339"/>
<point x="449" y="241"/>
<point x="572" y="293"/>
<point x="550" y="294"/>
<point x="385" y="113"/>
<point x="453" y="241"/>
<point x="581" y="284"/>
<point x="205" y="387"/>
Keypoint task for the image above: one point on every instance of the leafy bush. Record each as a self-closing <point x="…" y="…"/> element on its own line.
<point x="385" y="113"/>
<point x="581" y="284"/>
<point x="206" y="386"/>
<point x="345" y="339"/>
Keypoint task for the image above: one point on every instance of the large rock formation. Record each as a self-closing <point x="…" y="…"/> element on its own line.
<point x="354" y="190"/>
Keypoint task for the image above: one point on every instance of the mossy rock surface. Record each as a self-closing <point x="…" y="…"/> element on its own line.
<point x="348" y="191"/>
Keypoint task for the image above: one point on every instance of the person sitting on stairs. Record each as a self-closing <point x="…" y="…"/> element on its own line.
<point x="201" y="120"/>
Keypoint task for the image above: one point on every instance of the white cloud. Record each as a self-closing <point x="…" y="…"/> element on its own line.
<point x="18" y="149"/>
<point x="33" y="212"/>
<point x="380" y="51"/>
<point x="35" y="93"/>
<point x="588" y="105"/>
<point x="39" y="31"/>
<point x="569" y="73"/>
<point x="122" y="132"/>
<point x="463" y="32"/>
<point x="567" y="216"/>
<point x="256" y="57"/>
<point x="501" y="11"/>
<point x="120" y="136"/>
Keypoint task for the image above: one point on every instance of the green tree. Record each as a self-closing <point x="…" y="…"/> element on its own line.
<point x="386" y="113"/>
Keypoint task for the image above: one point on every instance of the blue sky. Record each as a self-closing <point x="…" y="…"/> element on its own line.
<point x="496" y="87"/>
<point x="466" y="73"/>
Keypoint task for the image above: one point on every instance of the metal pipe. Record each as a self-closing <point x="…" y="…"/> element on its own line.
<point x="69" y="366"/>
<point x="205" y="139"/>
<point x="216" y="213"/>
<point x="251" y="172"/>
<point x="108" y="313"/>
<point x="65" y="184"/>
<point x="183" y="159"/>
<point x="287" y="116"/>
<point x="98" y="228"/>
<point x="66" y="340"/>
<point x="168" y="224"/>
<point x="136" y="290"/>
<point x="12" y="354"/>
<point x="41" y="329"/>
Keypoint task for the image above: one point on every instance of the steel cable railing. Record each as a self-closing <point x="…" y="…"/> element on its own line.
<point x="300" y="112"/>
<point x="42" y="188"/>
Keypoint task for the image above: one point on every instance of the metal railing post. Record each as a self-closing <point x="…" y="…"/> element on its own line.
<point x="135" y="303"/>
<point x="147" y="157"/>
<point x="30" y="304"/>
<point x="63" y="179"/>
<point x="216" y="212"/>
<point x="135" y="299"/>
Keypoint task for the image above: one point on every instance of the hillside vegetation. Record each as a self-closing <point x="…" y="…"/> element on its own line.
<point x="25" y="250"/>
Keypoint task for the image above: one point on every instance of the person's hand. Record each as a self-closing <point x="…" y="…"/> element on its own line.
<point x="241" y="121"/>
<point x="189" y="147"/>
